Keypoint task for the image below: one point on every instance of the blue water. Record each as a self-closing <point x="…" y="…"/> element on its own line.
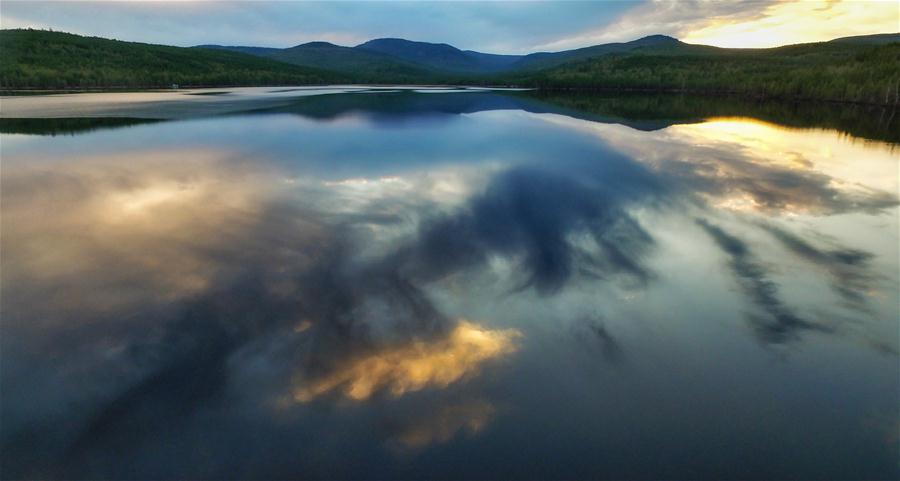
<point x="446" y="285"/>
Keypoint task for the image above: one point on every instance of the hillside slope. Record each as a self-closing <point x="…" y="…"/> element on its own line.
<point x="877" y="39"/>
<point x="55" y="60"/>
<point x="363" y="66"/>
<point x="856" y="69"/>
<point x="542" y="60"/>
<point x="438" y="56"/>
<point x="358" y="65"/>
<point x="851" y="71"/>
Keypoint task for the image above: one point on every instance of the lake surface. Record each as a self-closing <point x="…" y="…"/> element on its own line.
<point x="447" y="283"/>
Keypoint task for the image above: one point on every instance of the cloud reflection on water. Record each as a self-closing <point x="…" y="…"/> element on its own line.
<point x="470" y="417"/>
<point x="745" y="165"/>
<point x="780" y="323"/>
<point x="196" y="283"/>
<point x="414" y="366"/>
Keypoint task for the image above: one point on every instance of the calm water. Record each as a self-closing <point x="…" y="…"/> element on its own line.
<point x="447" y="284"/>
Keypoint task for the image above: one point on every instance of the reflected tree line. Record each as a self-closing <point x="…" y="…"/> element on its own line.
<point x="641" y="111"/>
<point x="865" y="121"/>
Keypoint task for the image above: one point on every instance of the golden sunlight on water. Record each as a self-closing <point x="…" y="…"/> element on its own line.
<point x="825" y="151"/>
<point x="95" y="228"/>
<point x="470" y="417"/>
<point x="749" y="165"/>
<point x="416" y="366"/>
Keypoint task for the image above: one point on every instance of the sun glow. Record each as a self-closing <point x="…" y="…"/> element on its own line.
<point x="800" y="22"/>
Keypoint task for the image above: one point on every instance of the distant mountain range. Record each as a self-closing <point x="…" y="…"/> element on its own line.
<point x="862" y="69"/>
<point x="401" y="53"/>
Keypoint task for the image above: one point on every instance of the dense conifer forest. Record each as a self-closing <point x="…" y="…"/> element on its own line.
<point x="861" y="69"/>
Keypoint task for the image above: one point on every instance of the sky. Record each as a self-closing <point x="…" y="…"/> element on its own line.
<point x="512" y="27"/>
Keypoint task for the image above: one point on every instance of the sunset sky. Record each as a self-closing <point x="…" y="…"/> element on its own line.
<point x="499" y="26"/>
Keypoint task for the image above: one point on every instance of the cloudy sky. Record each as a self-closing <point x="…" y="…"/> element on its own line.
<point x="496" y="26"/>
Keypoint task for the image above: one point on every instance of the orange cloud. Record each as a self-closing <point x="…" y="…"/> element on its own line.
<point x="415" y="366"/>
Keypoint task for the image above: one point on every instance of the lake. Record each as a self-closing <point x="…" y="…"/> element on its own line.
<point x="421" y="283"/>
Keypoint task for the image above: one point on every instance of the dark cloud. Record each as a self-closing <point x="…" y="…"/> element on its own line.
<point x="779" y="323"/>
<point x="534" y="215"/>
<point x="850" y="269"/>
<point x="556" y="223"/>
<point x="188" y="368"/>
<point x="595" y="333"/>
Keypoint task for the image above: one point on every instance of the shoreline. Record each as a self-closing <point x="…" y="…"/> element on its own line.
<point x="611" y="90"/>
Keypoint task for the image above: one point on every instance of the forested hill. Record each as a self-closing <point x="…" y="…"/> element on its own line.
<point x="55" y="60"/>
<point x="361" y="65"/>
<point x="848" y="70"/>
<point x="862" y="69"/>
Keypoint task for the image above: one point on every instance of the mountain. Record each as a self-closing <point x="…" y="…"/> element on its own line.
<point x="492" y="61"/>
<point x="258" y="51"/>
<point x="387" y="59"/>
<point x="392" y="56"/>
<point x="364" y="66"/>
<point x="838" y="71"/>
<point x="54" y="60"/>
<point x="854" y="69"/>
<point x="541" y="60"/>
<point x="438" y="56"/>
<point x="877" y="39"/>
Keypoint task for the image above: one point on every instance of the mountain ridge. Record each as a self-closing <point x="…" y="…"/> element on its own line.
<point x="443" y="56"/>
<point x="440" y="56"/>
<point x="860" y="69"/>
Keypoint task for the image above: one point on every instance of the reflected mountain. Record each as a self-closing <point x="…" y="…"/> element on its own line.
<point x="636" y="110"/>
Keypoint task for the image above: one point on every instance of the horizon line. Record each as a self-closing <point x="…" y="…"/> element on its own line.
<point x="447" y="44"/>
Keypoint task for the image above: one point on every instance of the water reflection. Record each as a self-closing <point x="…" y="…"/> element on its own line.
<point x="443" y="425"/>
<point x="745" y="165"/>
<point x="299" y="276"/>
<point x="780" y="322"/>
<point x="414" y="366"/>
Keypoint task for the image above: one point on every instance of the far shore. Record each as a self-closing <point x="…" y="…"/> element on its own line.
<point x="609" y="90"/>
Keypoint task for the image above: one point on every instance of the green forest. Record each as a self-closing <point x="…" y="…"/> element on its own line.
<point x="55" y="60"/>
<point x="826" y="71"/>
<point x="865" y="70"/>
